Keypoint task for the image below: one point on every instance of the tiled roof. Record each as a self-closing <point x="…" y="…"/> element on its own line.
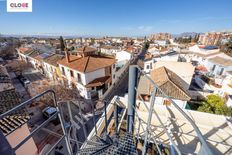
<point x="11" y="123"/>
<point x="147" y="56"/>
<point x="4" y="76"/>
<point x="42" y="56"/>
<point x="87" y="64"/>
<point x="34" y="54"/>
<point x="130" y="49"/>
<point x="109" y="47"/>
<point x="53" y="59"/>
<point x="5" y="82"/>
<point x="184" y="70"/>
<point x="99" y="82"/>
<point x="170" y="83"/>
<point x="163" y="49"/>
<point x="9" y="99"/>
<point x="25" y="50"/>
<point x="86" y="49"/>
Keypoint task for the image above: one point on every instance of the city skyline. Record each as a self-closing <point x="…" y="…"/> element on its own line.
<point x="117" y="18"/>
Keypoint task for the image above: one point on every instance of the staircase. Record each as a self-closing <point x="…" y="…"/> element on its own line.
<point x="121" y="145"/>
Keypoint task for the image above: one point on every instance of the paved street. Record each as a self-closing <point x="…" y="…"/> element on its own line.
<point x="77" y="118"/>
<point x="120" y="87"/>
<point x="43" y="137"/>
<point x="34" y="76"/>
<point x="19" y="87"/>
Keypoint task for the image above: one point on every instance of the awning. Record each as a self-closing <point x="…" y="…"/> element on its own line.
<point x="99" y="81"/>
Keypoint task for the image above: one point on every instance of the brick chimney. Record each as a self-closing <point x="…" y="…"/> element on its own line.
<point x="67" y="55"/>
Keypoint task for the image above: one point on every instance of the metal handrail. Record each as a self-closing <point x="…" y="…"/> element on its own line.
<point x="162" y="124"/>
<point x="34" y="131"/>
<point x="28" y="102"/>
<point x="205" y="147"/>
<point x="53" y="147"/>
<point x="165" y="130"/>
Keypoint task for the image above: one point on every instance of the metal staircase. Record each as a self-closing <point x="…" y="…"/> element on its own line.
<point x="127" y="142"/>
<point x="108" y="135"/>
<point x="123" y="144"/>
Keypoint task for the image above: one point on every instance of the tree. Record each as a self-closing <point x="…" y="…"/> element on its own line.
<point x="81" y="39"/>
<point x="18" y="66"/>
<point x="216" y="105"/>
<point x="92" y="41"/>
<point x="62" y="45"/>
<point x="63" y="93"/>
<point x="183" y="40"/>
<point x="71" y="48"/>
<point x="10" y="49"/>
<point x="146" y="45"/>
<point x="196" y="38"/>
<point x="145" y="38"/>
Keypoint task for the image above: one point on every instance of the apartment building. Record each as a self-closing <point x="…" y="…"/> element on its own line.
<point x="210" y="38"/>
<point x="161" y="36"/>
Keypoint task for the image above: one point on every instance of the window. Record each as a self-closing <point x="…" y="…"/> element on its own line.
<point x="151" y="65"/>
<point x="71" y="73"/>
<point x="214" y="66"/>
<point x="148" y="66"/>
<point x="221" y="71"/>
<point x="114" y="76"/>
<point x="113" y="66"/>
<point x="63" y="71"/>
<point x="79" y="78"/>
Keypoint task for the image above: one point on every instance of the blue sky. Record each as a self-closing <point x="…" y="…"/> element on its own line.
<point x="117" y="17"/>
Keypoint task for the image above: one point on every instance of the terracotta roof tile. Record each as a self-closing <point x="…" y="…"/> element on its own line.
<point x="25" y="50"/>
<point x="130" y="49"/>
<point x="9" y="98"/>
<point x="87" y="64"/>
<point x="86" y="49"/>
<point x="170" y="83"/>
<point x="53" y="59"/>
<point x="11" y="123"/>
<point x="109" y="47"/>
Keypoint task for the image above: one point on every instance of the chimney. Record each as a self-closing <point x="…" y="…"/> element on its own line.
<point x="67" y="55"/>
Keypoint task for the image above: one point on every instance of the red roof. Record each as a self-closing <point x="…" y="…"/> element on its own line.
<point x="88" y="63"/>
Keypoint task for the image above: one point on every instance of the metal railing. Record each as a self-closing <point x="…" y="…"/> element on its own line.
<point x="132" y="114"/>
<point x="204" y="146"/>
<point x="28" y="102"/>
<point x="145" y="125"/>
